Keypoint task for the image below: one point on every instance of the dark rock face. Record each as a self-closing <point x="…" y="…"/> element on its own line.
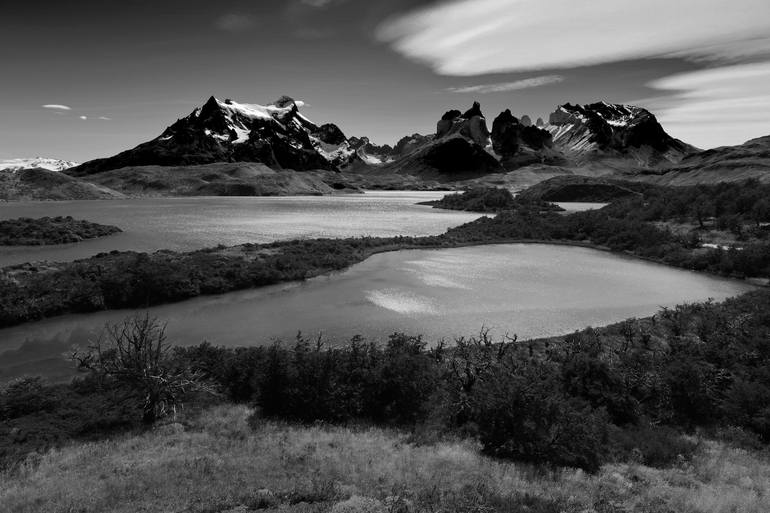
<point x="225" y="131"/>
<point x="526" y="120"/>
<point x="471" y="125"/>
<point x="457" y="151"/>
<point x="410" y="143"/>
<point x="475" y="110"/>
<point x="330" y="134"/>
<point x="540" y="123"/>
<point x="511" y="138"/>
<point x="458" y="156"/>
<point x="601" y="129"/>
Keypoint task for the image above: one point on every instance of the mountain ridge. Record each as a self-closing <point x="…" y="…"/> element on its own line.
<point x="597" y="138"/>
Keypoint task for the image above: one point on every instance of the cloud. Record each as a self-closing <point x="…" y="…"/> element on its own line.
<point x="715" y="106"/>
<point x="473" y="37"/>
<point x="84" y="117"/>
<point x="105" y="118"/>
<point x="508" y="86"/>
<point x="56" y="106"/>
<point x="234" y="22"/>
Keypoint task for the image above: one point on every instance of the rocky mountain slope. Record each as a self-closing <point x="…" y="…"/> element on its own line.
<point x="276" y="135"/>
<point x="725" y="164"/>
<point x="606" y="131"/>
<point x="461" y="148"/>
<point x="598" y="139"/>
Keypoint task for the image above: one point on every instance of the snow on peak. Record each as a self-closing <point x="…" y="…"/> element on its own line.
<point x="36" y="162"/>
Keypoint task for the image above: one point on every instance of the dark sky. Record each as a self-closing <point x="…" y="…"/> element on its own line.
<point x="380" y="68"/>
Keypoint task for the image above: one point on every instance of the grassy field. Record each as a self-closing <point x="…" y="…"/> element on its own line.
<point x="218" y="462"/>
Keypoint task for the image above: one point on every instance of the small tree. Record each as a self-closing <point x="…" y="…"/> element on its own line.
<point x="136" y="355"/>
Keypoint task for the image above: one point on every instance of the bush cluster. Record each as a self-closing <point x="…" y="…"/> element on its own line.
<point x="26" y="231"/>
<point x="627" y="391"/>
<point x="490" y="199"/>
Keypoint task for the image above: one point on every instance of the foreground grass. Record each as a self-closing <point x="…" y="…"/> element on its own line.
<point x="217" y="462"/>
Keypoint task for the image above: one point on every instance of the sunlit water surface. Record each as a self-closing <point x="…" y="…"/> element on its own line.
<point x="193" y="223"/>
<point x="531" y="290"/>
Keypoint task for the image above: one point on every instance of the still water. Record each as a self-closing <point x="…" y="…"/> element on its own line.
<point x="531" y="290"/>
<point x="185" y="224"/>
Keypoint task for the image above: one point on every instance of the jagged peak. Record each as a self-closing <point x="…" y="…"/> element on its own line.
<point x="475" y="110"/>
<point x="506" y="116"/>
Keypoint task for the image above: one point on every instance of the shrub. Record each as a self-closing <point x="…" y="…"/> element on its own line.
<point x="522" y="414"/>
<point x="654" y="446"/>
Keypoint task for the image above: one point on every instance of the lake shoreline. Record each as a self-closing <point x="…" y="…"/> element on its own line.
<point x="301" y="272"/>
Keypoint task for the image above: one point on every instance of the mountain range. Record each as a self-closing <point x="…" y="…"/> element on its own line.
<point x="225" y="147"/>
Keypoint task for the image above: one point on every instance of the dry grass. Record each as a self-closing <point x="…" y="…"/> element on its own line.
<point x="218" y="463"/>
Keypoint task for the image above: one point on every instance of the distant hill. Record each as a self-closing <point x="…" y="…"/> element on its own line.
<point x="44" y="184"/>
<point x="219" y="179"/>
<point x="725" y="164"/>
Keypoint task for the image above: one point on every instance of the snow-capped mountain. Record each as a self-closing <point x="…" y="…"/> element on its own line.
<point x="36" y="163"/>
<point x="226" y="131"/>
<point x="280" y="137"/>
<point x="607" y="130"/>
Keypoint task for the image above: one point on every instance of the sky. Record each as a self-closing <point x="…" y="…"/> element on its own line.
<point x="84" y="79"/>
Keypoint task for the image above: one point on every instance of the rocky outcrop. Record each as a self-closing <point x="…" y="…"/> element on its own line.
<point x="330" y="133"/>
<point x="526" y="120"/>
<point x="604" y="130"/>
<point x="459" y="150"/>
<point x="471" y="125"/>
<point x="518" y="144"/>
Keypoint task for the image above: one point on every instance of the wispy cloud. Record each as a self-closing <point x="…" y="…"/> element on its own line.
<point x="56" y="106"/>
<point x="715" y="106"/>
<point x="83" y="117"/>
<point x="501" y="87"/>
<point x="235" y="22"/>
<point x="473" y="37"/>
<point x="105" y="118"/>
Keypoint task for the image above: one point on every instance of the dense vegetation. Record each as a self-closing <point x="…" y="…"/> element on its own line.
<point x="576" y="188"/>
<point x="26" y="231"/>
<point x="489" y="199"/>
<point x="599" y="395"/>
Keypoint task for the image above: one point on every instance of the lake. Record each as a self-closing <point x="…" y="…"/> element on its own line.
<point x="185" y="224"/>
<point x="531" y="290"/>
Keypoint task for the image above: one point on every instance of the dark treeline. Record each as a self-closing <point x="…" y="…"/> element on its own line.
<point x="26" y="231"/>
<point x="489" y="199"/>
<point x="624" y="392"/>
<point x="621" y="234"/>
<point x="723" y="205"/>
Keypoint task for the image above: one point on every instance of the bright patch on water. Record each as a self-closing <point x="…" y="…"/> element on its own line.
<point x="406" y="303"/>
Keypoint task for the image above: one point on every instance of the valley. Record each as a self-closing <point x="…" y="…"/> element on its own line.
<point x="313" y="276"/>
